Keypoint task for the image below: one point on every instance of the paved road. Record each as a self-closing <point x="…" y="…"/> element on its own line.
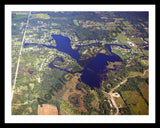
<point x="19" y="58"/>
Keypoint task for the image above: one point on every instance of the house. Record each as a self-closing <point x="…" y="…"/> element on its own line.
<point x="130" y="43"/>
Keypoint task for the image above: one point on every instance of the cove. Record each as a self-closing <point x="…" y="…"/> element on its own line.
<point x="95" y="68"/>
<point x="63" y="44"/>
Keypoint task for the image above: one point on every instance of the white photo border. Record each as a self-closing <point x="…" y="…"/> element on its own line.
<point x="9" y="118"/>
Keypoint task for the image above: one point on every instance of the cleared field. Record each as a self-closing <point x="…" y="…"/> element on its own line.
<point x="75" y="22"/>
<point x="19" y="16"/>
<point x="110" y="26"/>
<point x="144" y="89"/>
<point x="135" y="102"/>
<point x="47" y="109"/>
<point x="112" y="64"/>
<point x="66" y="108"/>
<point x="119" y="101"/>
<point x="122" y="38"/>
<point x="41" y="16"/>
<point x="132" y="73"/>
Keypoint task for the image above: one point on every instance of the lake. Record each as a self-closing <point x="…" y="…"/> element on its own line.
<point x="95" y="68"/>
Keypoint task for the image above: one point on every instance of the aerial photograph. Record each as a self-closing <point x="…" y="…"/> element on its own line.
<point x="80" y="63"/>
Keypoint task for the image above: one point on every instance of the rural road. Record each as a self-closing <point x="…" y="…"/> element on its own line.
<point x="19" y="58"/>
<point x="113" y="89"/>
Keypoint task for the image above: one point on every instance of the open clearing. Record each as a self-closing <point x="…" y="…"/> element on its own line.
<point x="135" y="102"/>
<point x="47" y="109"/>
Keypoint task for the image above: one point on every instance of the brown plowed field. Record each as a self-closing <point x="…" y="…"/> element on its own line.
<point x="47" y="109"/>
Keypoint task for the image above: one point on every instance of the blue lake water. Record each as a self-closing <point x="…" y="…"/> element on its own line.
<point x="95" y="68"/>
<point x="146" y="48"/>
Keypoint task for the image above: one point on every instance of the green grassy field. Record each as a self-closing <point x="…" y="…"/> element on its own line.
<point x="135" y="102"/>
<point x="75" y="22"/>
<point x="19" y="16"/>
<point x="144" y="89"/>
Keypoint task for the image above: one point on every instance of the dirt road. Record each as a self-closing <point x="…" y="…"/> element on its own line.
<point x="121" y="83"/>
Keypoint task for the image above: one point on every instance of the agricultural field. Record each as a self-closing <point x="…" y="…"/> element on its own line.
<point x="41" y="16"/>
<point x="135" y="102"/>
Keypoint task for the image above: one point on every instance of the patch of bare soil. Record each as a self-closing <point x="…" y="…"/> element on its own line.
<point x="47" y="109"/>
